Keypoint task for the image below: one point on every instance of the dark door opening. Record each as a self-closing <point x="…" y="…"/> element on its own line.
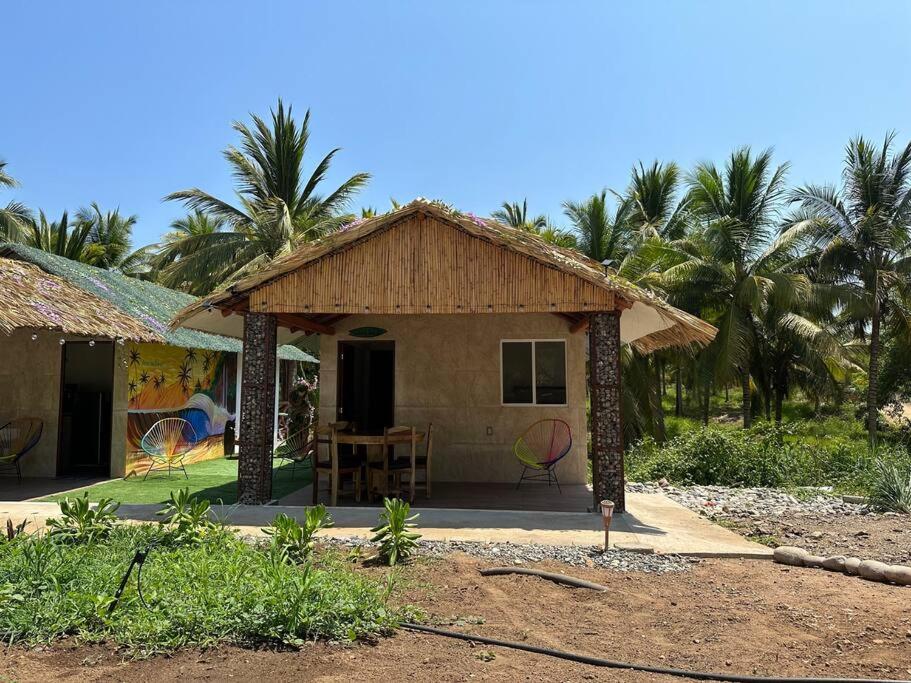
<point x="366" y="384"/>
<point x="86" y="409"/>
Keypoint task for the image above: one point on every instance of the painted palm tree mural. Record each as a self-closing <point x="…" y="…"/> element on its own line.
<point x="167" y="381"/>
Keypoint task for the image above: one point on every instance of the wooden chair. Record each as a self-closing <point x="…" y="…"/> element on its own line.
<point x="335" y="466"/>
<point x="389" y="467"/>
<point x="422" y="462"/>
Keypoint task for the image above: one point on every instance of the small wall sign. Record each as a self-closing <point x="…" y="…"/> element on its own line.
<point x="367" y="332"/>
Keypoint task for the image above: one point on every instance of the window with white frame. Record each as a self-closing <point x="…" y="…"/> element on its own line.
<point x="533" y="371"/>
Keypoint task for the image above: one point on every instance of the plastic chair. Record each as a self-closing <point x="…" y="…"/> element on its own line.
<point x="541" y="447"/>
<point x="18" y="437"/>
<point x="296" y="449"/>
<point x="167" y="444"/>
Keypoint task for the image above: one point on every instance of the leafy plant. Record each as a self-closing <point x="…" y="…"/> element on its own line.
<point x="186" y="518"/>
<point x="397" y="542"/>
<point x="80" y="523"/>
<point x="221" y="590"/>
<point x="891" y="488"/>
<point x="294" y="542"/>
<point x="13" y="531"/>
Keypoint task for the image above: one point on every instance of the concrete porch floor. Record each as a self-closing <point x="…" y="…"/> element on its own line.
<point x="652" y="522"/>
<point x="39" y="487"/>
<point x="475" y="496"/>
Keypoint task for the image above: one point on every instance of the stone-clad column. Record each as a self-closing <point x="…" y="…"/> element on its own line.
<point x="257" y="412"/>
<point x="607" y="428"/>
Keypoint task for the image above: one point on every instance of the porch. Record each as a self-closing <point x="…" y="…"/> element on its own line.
<point x="469" y="311"/>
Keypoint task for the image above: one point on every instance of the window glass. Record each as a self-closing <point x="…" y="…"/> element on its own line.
<point x="550" y="373"/>
<point x="517" y="371"/>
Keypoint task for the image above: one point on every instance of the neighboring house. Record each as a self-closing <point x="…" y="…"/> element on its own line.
<point x="89" y="352"/>
<point x="429" y="315"/>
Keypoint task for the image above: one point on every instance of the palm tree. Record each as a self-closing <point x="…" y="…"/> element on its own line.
<point x="278" y="207"/>
<point x="729" y="269"/>
<point x="515" y="215"/>
<point x="15" y="216"/>
<point x="181" y="241"/>
<point x="863" y="231"/>
<point x="656" y="209"/>
<point x="600" y="235"/>
<point x="110" y="237"/>
<point x="55" y="237"/>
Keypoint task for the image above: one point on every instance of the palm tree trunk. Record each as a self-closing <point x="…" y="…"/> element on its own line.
<point x="747" y="397"/>
<point x="706" y="399"/>
<point x="873" y="371"/>
<point x="660" y="433"/>
<point x="678" y="399"/>
<point x="779" y="399"/>
<point x="767" y="401"/>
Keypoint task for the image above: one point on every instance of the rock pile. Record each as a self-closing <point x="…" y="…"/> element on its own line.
<point x="520" y="553"/>
<point x="872" y="570"/>
<point x="724" y="501"/>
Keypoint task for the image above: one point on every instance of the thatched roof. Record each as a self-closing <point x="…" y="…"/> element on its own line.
<point x="678" y="327"/>
<point x="146" y="306"/>
<point x="38" y="300"/>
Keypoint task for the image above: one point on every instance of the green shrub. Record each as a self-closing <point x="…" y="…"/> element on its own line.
<point x="891" y="489"/>
<point x="796" y="454"/>
<point x="186" y="518"/>
<point x="397" y="543"/>
<point x="79" y="522"/>
<point x="217" y="590"/>
<point x="293" y="542"/>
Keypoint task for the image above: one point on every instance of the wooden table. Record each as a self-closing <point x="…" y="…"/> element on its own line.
<point x="371" y="439"/>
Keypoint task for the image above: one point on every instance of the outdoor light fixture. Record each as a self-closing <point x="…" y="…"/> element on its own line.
<point x="34" y="337"/>
<point x="607" y="514"/>
<point x="62" y="341"/>
<point x="91" y="342"/>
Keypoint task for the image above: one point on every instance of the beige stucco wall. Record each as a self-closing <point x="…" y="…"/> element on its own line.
<point x="447" y="371"/>
<point x="30" y="387"/>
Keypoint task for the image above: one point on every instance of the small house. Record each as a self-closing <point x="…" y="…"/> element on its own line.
<point x="89" y="352"/>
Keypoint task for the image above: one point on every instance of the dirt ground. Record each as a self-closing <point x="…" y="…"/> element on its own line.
<point x="752" y="617"/>
<point x="869" y="537"/>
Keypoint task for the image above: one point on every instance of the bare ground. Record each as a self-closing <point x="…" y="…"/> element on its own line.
<point x="886" y="538"/>
<point x="750" y="617"/>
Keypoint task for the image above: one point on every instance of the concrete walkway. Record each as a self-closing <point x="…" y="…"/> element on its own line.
<point x="653" y="522"/>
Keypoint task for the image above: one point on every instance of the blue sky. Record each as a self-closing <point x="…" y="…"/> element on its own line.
<point x="472" y="102"/>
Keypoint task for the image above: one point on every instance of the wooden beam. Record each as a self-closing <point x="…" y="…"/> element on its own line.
<point x="239" y="307"/>
<point x="580" y="325"/>
<point x="622" y="304"/>
<point x="299" y="322"/>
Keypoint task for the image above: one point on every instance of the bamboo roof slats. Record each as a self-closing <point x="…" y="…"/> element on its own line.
<point x="38" y="300"/>
<point x="428" y="258"/>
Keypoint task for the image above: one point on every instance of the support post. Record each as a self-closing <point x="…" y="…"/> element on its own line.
<point x="257" y="413"/>
<point x="606" y="424"/>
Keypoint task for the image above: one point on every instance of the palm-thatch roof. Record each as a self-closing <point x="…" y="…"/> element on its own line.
<point x="676" y="327"/>
<point x="38" y="300"/>
<point x="111" y="296"/>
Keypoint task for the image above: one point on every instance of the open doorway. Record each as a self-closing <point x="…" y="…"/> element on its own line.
<point x="366" y="384"/>
<point x="86" y="409"/>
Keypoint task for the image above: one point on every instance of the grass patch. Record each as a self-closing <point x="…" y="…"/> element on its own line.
<point x="215" y="591"/>
<point x="212" y="480"/>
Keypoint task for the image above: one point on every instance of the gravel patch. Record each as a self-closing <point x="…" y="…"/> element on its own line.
<point x="723" y="501"/>
<point x="522" y="553"/>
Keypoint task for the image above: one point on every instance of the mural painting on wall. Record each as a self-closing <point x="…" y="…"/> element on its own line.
<point x="171" y="381"/>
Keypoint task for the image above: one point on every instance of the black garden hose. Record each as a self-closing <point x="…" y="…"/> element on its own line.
<point x="597" y="661"/>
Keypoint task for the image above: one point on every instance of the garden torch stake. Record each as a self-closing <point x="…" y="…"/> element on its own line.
<point x="607" y="513"/>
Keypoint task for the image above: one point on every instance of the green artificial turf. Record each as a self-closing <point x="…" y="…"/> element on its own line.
<point x="211" y="479"/>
